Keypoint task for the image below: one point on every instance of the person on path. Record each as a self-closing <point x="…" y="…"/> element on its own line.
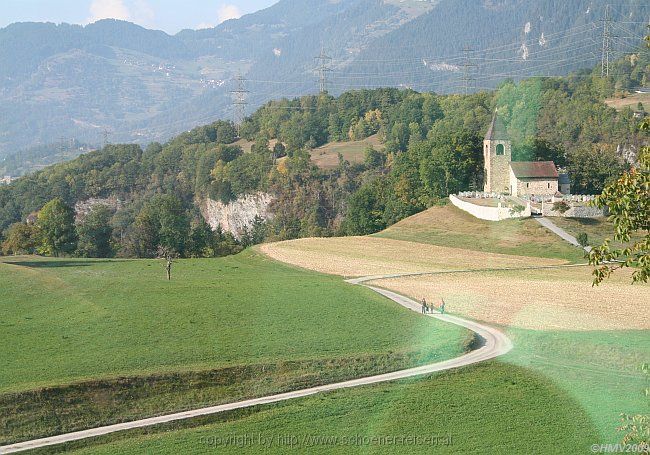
<point x="424" y="306"/>
<point x="442" y="306"/>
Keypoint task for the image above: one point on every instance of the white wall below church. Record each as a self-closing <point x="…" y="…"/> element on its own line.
<point x="488" y="213"/>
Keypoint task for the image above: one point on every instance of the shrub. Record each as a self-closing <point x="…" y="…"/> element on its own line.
<point x="583" y="239"/>
<point x="561" y="207"/>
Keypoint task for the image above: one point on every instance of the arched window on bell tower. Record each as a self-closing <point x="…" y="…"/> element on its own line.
<point x="501" y="150"/>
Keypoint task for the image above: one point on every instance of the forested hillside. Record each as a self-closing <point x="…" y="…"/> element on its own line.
<point x="433" y="147"/>
<point x="119" y="81"/>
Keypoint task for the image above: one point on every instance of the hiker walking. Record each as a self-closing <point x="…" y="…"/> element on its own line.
<point x="424" y="306"/>
<point x="442" y="306"/>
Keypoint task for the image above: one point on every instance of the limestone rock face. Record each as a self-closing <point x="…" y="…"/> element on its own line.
<point x="83" y="208"/>
<point x="238" y="215"/>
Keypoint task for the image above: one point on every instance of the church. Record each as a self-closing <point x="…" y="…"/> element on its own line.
<point x="517" y="178"/>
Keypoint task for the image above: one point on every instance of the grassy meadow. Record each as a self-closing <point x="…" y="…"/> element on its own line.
<point x="91" y="342"/>
<point x="487" y="408"/>
<point x="556" y="392"/>
<point x="112" y="340"/>
<point x="451" y="227"/>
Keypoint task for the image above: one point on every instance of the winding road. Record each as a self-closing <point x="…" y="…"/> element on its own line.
<point x="494" y="343"/>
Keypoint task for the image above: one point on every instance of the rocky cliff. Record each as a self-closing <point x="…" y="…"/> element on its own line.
<point x="236" y="216"/>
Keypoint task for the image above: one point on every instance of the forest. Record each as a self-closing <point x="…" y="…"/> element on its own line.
<point x="432" y="146"/>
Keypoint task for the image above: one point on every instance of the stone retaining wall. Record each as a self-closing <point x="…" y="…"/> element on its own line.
<point x="488" y="213"/>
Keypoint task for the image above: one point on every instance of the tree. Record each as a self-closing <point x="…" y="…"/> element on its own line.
<point x="628" y="200"/>
<point x="21" y="238"/>
<point x="583" y="239"/>
<point x="591" y="168"/>
<point x="95" y="233"/>
<point x="168" y="255"/>
<point x="162" y="223"/>
<point x="56" y="222"/>
<point x="201" y="241"/>
<point x="372" y="158"/>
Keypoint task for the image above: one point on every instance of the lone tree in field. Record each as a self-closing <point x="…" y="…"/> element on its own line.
<point x="56" y="223"/>
<point x="168" y="255"/>
<point x="628" y="200"/>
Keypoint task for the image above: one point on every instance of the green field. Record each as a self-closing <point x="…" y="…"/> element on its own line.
<point x="450" y="226"/>
<point x="92" y="342"/>
<point x="556" y="392"/>
<point x="206" y="338"/>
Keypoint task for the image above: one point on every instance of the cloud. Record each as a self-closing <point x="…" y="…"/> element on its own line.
<point x="227" y="12"/>
<point x="144" y="14"/>
<point x="108" y="9"/>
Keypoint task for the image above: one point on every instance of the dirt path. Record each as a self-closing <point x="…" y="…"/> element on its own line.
<point x="494" y="344"/>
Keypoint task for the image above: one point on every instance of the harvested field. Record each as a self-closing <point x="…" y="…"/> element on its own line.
<point x="551" y="299"/>
<point x="361" y="256"/>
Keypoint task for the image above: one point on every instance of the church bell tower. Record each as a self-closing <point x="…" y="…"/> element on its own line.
<point x="497" y="155"/>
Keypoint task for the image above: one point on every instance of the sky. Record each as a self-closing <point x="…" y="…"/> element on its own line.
<point x="168" y="15"/>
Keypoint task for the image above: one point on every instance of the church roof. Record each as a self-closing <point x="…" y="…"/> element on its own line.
<point x="534" y="169"/>
<point x="497" y="130"/>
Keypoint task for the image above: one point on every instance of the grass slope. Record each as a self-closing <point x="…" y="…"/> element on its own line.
<point x="488" y="408"/>
<point x="556" y="392"/>
<point x="327" y="156"/>
<point x="450" y="226"/>
<point x="115" y="340"/>
<point x="600" y="370"/>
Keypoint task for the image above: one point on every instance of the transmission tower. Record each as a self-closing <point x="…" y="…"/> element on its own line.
<point x="323" y="69"/>
<point x="61" y="145"/>
<point x="105" y="134"/>
<point x="468" y="67"/>
<point x="239" y="101"/>
<point x="607" y="45"/>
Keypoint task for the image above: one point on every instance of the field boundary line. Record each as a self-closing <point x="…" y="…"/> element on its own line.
<point x="366" y="279"/>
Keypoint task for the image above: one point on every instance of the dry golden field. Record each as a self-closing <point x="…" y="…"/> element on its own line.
<point x="551" y="299"/>
<point x="544" y="299"/>
<point x="361" y="256"/>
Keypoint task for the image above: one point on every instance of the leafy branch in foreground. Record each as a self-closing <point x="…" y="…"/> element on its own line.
<point x="628" y="200"/>
<point x="637" y="427"/>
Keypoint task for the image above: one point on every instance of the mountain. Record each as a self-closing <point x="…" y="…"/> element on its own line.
<point x="115" y="80"/>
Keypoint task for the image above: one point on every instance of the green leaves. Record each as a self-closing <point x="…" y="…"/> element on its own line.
<point x="56" y="223"/>
<point x="628" y="200"/>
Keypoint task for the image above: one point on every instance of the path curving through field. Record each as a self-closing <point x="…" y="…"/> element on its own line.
<point x="494" y="343"/>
